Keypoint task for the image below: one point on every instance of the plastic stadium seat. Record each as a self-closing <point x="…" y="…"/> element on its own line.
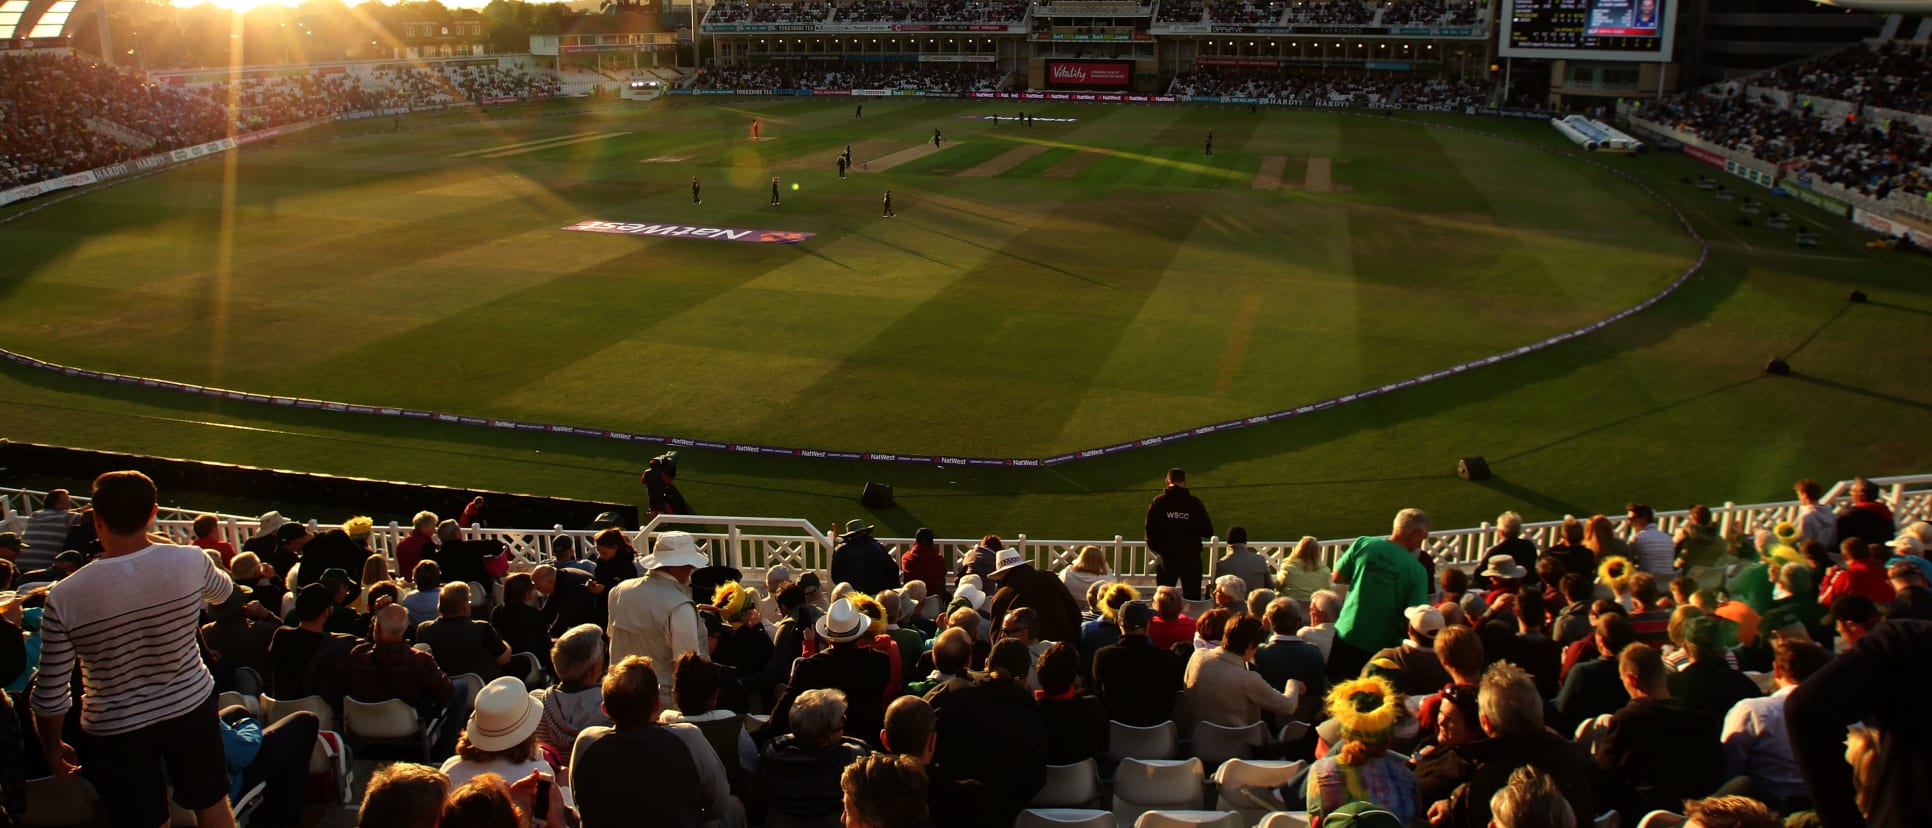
<point x="1070" y="786"/>
<point x="528" y="669"/>
<point x="1242" y="773"/>
<point x="390" y="722"/>
<point x="1142" y="785"/>
<point x="1064" y="818"/>
<point x="1285" y="819"/>
<point x="475" y="683"/>
<point x="1126" y="741"/>
<point x="52" y="800"/>
<point x="275" y="710"/>
<point x="1292" y="732"/>
<point x="1216" y="744"/>
<point x="1189" y="819"/>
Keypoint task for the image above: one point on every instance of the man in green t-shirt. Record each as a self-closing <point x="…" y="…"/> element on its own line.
<point x="1383" y="578"/>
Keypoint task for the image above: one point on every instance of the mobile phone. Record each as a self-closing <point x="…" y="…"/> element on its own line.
<point x="542" y="808"/>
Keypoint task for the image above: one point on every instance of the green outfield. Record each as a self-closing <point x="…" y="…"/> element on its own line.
<point x="1042" y="289"/>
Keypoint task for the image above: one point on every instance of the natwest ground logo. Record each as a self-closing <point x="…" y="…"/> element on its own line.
<point x="688" y="231"/>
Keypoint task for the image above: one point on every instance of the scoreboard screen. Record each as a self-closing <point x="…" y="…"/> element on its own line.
<point x="1635" y="30"/>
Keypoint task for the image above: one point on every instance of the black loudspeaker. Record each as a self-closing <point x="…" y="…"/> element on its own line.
<point x="1777" y="366"/>
<point x="1856" y="295"/>
<point x="1473" y="468"/>
<point x="876" y="496"/>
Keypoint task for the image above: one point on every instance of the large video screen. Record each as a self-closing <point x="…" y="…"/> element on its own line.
<point x="1635" y="30"/>
<point x="1089" y="74"/>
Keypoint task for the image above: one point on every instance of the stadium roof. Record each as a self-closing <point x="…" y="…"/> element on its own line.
<point x="41" y="19"/>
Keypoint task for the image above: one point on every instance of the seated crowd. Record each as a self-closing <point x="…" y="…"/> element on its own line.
<point x="1870" y="158"/>
<point x="48" y="106"/>
<point x="1429" y="13"/>
<point x="794" y="12"/>
<point x="958" y="77"/>
<point x="1298" y="85"/>
<point x="1628" y="670"/>
<point x="1246" y="12"/>
<point x="1892" y="75"/>
<point x="1332" y="13"/>
<point x="1181" y="11"/>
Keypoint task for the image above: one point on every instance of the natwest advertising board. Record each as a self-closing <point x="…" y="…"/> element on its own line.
<point x="1089" y="74"/>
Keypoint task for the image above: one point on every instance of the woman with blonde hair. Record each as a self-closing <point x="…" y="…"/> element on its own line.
<point x="876" y="637"/>
<point x="1303" y="574"/>
<point x="375" y="570"/>
<point x="1104" y="630"/>
<point x="1088" y="568"/>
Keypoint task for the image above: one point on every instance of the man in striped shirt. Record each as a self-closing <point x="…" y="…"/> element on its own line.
<point x="147" y="702"/>
<point x="46" y="532"/>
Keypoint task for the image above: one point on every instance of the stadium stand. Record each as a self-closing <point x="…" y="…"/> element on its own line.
<point x="1872" y="159"/>
<point x="896" y="666"/>
<point x="968" y="77"/>
<point x="1891" y="75"/>
<point x="1291" y="85"/>
<point x="1181" y="11"/>
<point x="47" y="103"/>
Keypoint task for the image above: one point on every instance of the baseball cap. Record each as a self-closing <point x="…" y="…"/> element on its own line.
<point x="1136" y="616"/>
<point x="71" y="557"/>
<point x="1908" y="544"/>
<point x="1424" y="618"/>
<point x="11" y="540"/>
<point x="290" y="531"/>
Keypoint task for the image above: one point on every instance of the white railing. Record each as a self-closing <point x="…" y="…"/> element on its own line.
<point x="753" y="544"/>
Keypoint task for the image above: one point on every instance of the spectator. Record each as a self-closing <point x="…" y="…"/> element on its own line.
<point x="301" y="656"/>
<point x="1511" y="543"/>
<point x="952" y="654"/>
<point x="697" y="684"/>
<point x="1076" y="723"/>
<point x="1412" y="667"/>
<point x="1258" y="602"/>
<point x="1569" y="549"/>
<point x="982" y="559"/>
<point x="687" y="785"/>
<point x="850" y="665"/>
<point x="1707" y="684"/>
<point x="1457" y="588"/>
<point x="1815" y="520"/>
<point x="877" y="638"/>
<point x="403" y="795"/>
<point x="1304" y="574"/>
<point x="1177" y="522"/>
<point x="1867" y="520"/>
<point x="745" y="647"/>
<point x="64" y="565"/>
<point x="460" y="643"/>
<point x="46" y="532"/>
<point x="1530" y="801"/>
<point x="422" y="604"/>
<point x="240" y="630"/>
<point x="575" y="702"/>
<point x="1595" y="688"/>
<point x="263" y="542"/>
<point x="1882" y="680"/>
<point x="1600" y="537"/>
<point x="128" y="621"/>
<point x="654" y="616"/>
<point x="799" y="766"/>
<point x="467" y="561"/>
<point x="500" y="736"/>
<point x="205" y="527"/>
<point x="1651" y="548"/>
<point x="1649" y="616"/>
<point x="290" y="540"/>
<point x="1170" y="625"/>
<point x="616" y="559"/>
<point x="1221" y="689"/>
<point x="472" y="515"/>
<point x="1088" y="568"/>
<point x="1244" y="563"/>
<point x="1286" y="656"/>
<point x="519" y="623"/>
<point x="909" y="732"/>
<point x="994" y="728"/>
<point x="1023" y="586"/>
<point x="1461" y="655"/>
<point x="1104" y="631"/>
<point x="1757" y="747"/>
<point x="884" y="791"/>
<point x="1855" y="617"/>
<point x="1323" y="608"/>
<point x="387" y="668"/>
<point x="1729" y="812"/>
<point x="1573" y="620"/>
<point x="344" y="548"/>
<point x="1231" y="594"/>
<point x="1863" y="575"/>
<point x="923" y="562"/>
<point x="1362" y="770"/>
<point x="571" y="598"/>
<point x="1656" y="753"/>
<point x="862" y="561"/>
<point x="1698" y="543"/>
<point x="1512" y="716"/>
<point x="1383" y="576"/>
<point x="1443" y="763"/>
<point x="418" y="546"/>
<point x="797" y="616"/>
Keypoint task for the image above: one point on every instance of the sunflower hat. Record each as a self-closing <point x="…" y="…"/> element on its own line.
<point x="1615" y="572"/>
<point x="732" y="600"/>
<point x="1366" y="708"/>
<point x="358" y="527"/>
<point x="1785" y="548"/>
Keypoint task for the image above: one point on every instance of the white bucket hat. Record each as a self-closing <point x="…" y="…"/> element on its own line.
<point x="505" y="715"/>
<point x="843" y="622"/>
<point x="1503" y="566"/>
<point x="972" y="595"/>
<point x="675" y="549"/>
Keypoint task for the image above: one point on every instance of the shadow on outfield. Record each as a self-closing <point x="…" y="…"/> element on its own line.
<point x="1539" y="500"/>
<point x="1863" y="392"/>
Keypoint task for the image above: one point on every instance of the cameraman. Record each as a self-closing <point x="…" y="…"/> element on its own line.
<point x="660" y="480"/>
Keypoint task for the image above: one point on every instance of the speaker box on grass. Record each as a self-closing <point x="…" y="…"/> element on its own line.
<point x="1473" y="468"/>
<point x="876" y="496"/>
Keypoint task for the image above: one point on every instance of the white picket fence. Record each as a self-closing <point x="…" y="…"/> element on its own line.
<point x="754" y="543"/>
